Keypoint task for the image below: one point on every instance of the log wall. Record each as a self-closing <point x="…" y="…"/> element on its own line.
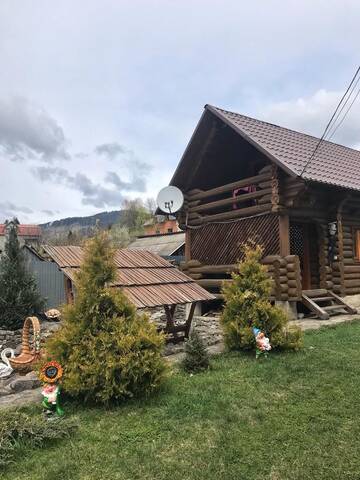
<point x="285" y="272"/>
<point x="219" y="204"/>
<point x="350" y="272"/>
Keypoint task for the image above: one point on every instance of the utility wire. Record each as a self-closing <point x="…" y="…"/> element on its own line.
<point x="330" y="122"/>
<point x="334" y="126"/>
<point x="343" y="118"/>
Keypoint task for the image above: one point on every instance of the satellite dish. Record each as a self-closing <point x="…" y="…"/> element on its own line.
<point x="170" y="199"/>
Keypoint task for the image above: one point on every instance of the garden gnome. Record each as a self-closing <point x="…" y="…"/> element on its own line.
<point x="262" y="343"/>
<point x="50" y="374"/>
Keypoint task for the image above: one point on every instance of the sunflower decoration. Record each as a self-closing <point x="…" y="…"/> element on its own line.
<point x="51" y="372"/>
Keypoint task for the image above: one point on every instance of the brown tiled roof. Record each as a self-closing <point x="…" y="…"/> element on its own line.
<point x="146" y="279"/>
<point x="332" y="164"/>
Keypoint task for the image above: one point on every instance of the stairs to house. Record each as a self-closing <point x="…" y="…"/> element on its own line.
<point x="323" y="303"/>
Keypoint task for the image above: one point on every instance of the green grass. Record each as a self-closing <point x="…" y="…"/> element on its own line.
<point x="295" y="416"/>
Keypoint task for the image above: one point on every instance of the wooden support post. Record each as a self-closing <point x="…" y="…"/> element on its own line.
<point x="187" y="245"/>
<point x="189" y="319"/>
<point x="169" y="311"/>
<point x="284" y="232"/>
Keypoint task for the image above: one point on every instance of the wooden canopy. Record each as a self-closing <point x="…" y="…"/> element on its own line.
<point x="145" y="278"/>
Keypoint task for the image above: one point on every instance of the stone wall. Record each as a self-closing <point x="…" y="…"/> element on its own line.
<point x="12" y="338"/>
<point x="208" y="328"/>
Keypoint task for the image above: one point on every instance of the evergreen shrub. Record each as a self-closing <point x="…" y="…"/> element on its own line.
<point x="108" y="350"/>
<point x="19" y="296"/>
<point x="196" y="356"/>
<point x="247" y="305"/>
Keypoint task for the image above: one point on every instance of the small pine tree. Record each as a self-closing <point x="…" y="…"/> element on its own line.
<point x="108" y="350"/>
<point x="247" y="305"/>
<point x="196" y="356"/>
<point x="19" y="296"/>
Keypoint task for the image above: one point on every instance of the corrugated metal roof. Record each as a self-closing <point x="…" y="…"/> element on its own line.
<point x="146" y="279"/>
<point x="333" y="164"/>
<point x="23" y="230"/>
<point x="164" y="245"/>
<point x="65" y="256"/>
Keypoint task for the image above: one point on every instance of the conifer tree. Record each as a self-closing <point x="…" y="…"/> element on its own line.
<point x="107" y="349"/>
<point x="247" y="305"/>
<point x="196" y="356"/>
<point x="19" y="296"/>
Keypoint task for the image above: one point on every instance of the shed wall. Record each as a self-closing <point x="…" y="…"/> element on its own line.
<point x="49" y="280"/>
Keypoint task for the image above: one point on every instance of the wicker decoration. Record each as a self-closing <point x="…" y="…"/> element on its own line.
<point x="24" y="362"/>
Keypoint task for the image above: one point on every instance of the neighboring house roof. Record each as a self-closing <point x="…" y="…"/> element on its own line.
<point x="23" y="230"/>
<point x="146" y="279"/>
<point x="332" y="164"/>
<point x="164" y="245"/>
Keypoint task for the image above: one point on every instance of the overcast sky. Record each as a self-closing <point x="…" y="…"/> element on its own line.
<point x="98" y="98"/>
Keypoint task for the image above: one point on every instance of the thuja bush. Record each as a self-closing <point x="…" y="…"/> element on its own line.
<point x="19" y="431"/>
<point x="247" y="305"/>
<point x="108" y="350"/>
<point x="196" y="356"/>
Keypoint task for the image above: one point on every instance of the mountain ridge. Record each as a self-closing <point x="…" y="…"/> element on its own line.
<point x="105" y="219"/>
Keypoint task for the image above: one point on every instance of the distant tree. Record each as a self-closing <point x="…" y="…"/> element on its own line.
<point x="19" y="297"/>
<point x="150" y="205"/>
<point x="119" y="236"/>
<point x="134" y="215"/>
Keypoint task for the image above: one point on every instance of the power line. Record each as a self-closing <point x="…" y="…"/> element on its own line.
<point x="334" y="127"/>
<point x="347" y="111"/>
<point x="330" y="122"/>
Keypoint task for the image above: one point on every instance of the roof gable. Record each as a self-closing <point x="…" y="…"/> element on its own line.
<point x="333" y="164"/>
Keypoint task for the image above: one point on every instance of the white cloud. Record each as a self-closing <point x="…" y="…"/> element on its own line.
<point x="311" y="115"/>
<point x="28" y="131"/>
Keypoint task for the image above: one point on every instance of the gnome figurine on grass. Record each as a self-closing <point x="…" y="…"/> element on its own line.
<point x="262" y="343"/>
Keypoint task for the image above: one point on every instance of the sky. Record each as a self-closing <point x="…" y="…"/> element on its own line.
<point x="99" y="98"/>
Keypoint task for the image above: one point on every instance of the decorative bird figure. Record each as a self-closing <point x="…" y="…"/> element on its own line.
<point x="5" y="367"/>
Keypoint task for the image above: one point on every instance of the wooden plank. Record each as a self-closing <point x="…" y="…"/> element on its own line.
<point x="212" y="282"/>
<point x="315" y="293"/>
<point x="214" y="269"/>
<point x="242" y="212"/>
<point x="189" y="320"/>
<point x="320" y="312"/>
<point x="284" y="232"/>
<point x="244" y="182"/>
<point x="347" y="307"/>
<point x="229" y="201"/>
<point x="187" y="245"/>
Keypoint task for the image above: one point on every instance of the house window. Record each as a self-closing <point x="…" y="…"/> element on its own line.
<point x="170" y="230"/>
<point x="357" y="244"/>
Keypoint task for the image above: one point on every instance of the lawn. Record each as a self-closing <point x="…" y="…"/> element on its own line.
<point x="295" y="416"/>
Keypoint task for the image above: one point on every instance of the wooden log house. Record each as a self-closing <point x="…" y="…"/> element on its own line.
<point x="245" y="179"/>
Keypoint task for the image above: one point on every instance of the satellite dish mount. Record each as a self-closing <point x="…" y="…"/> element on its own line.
<point x="170" y="200"/>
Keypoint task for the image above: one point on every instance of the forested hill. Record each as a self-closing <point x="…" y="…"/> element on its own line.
<point x="105" y="219"/>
